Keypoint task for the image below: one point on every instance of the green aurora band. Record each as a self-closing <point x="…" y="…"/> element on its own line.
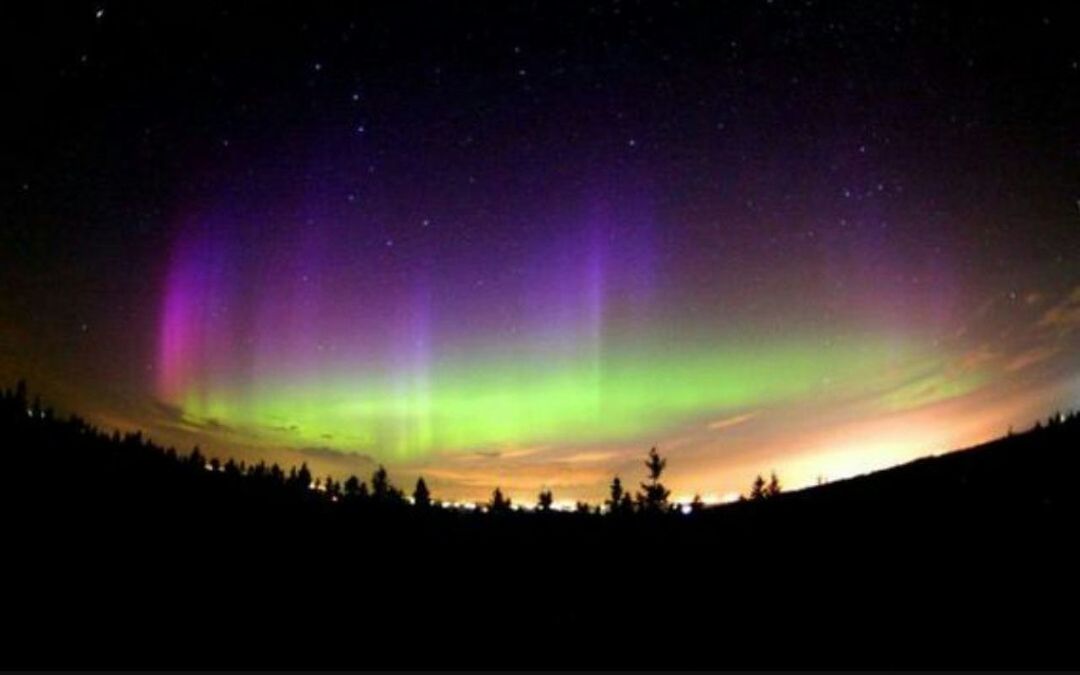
<point x="506" y="402"/>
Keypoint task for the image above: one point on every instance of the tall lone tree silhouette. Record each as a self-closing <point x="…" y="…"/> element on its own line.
<point x="421" y="496"/>
<point x="654" y="497"/>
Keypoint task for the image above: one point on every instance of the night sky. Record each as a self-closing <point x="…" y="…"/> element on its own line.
<point x="519" y="243"/>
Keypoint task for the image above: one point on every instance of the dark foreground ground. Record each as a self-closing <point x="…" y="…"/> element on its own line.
<point x="116" y="555"/>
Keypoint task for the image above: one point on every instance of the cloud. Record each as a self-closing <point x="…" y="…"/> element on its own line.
<point x="327" y="453"/>
<point x="285" y="428"/>
<point x="174" y="417"/>
<point x="216" y="425"/>
<point x="933" y="388"/>
<point x="330" y="460"/>
<point x="167" y="410"/>
<point x="1030" y="358"/>
<point x="522" y="482"/>
<point x="484" y="455"/>
<point x="729" y="422"/>
<point x="587" y="457"/>
<point x="1064" y="317"/>
<point x="479" y="455"/>
<point x="976" y="358"/>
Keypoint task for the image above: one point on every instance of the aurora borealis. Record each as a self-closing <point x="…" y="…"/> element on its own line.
<point x="770" y="235"/>
<point x="573" y="342"/>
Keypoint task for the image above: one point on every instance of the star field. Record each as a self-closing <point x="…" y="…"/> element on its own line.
<point x="519" y="244"/>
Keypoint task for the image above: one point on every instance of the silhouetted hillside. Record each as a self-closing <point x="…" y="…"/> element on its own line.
<point x="122" y="553"/>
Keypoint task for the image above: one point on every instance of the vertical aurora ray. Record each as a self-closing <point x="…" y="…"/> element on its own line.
<point x="567" y="312"/>
<point x="304" y="348"/>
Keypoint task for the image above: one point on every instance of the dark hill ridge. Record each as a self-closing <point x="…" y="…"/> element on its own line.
<point x="1034" y="471"/>
<point x="121" y="553"/>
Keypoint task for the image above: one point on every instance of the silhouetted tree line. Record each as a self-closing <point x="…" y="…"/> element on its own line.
<point x="652" y="498"/>
<point x="100" y="523"/>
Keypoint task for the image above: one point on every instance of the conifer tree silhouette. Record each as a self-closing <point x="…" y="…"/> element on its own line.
<point x="615" y="501"/>
<point x="303" y="477"/>
<point x="354" y="488"/>
<point x="381" y="490"/>
<point x="757" y="490"/>
<point x="654" y="496"/>
<point x="773" y="488"/>
<point x="421" y="495"/>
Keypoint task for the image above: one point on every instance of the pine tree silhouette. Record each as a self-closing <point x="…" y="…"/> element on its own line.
<point x="654" y="496"/>
<point x="757" y="490"/>
<point x="773" y="488"/>
<point x="615" y="501"/>
<point x="381" y="489"/>
<point x="303" y="477"/>
<point x="354" y="489"/>
<point x="421" y="495"/>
